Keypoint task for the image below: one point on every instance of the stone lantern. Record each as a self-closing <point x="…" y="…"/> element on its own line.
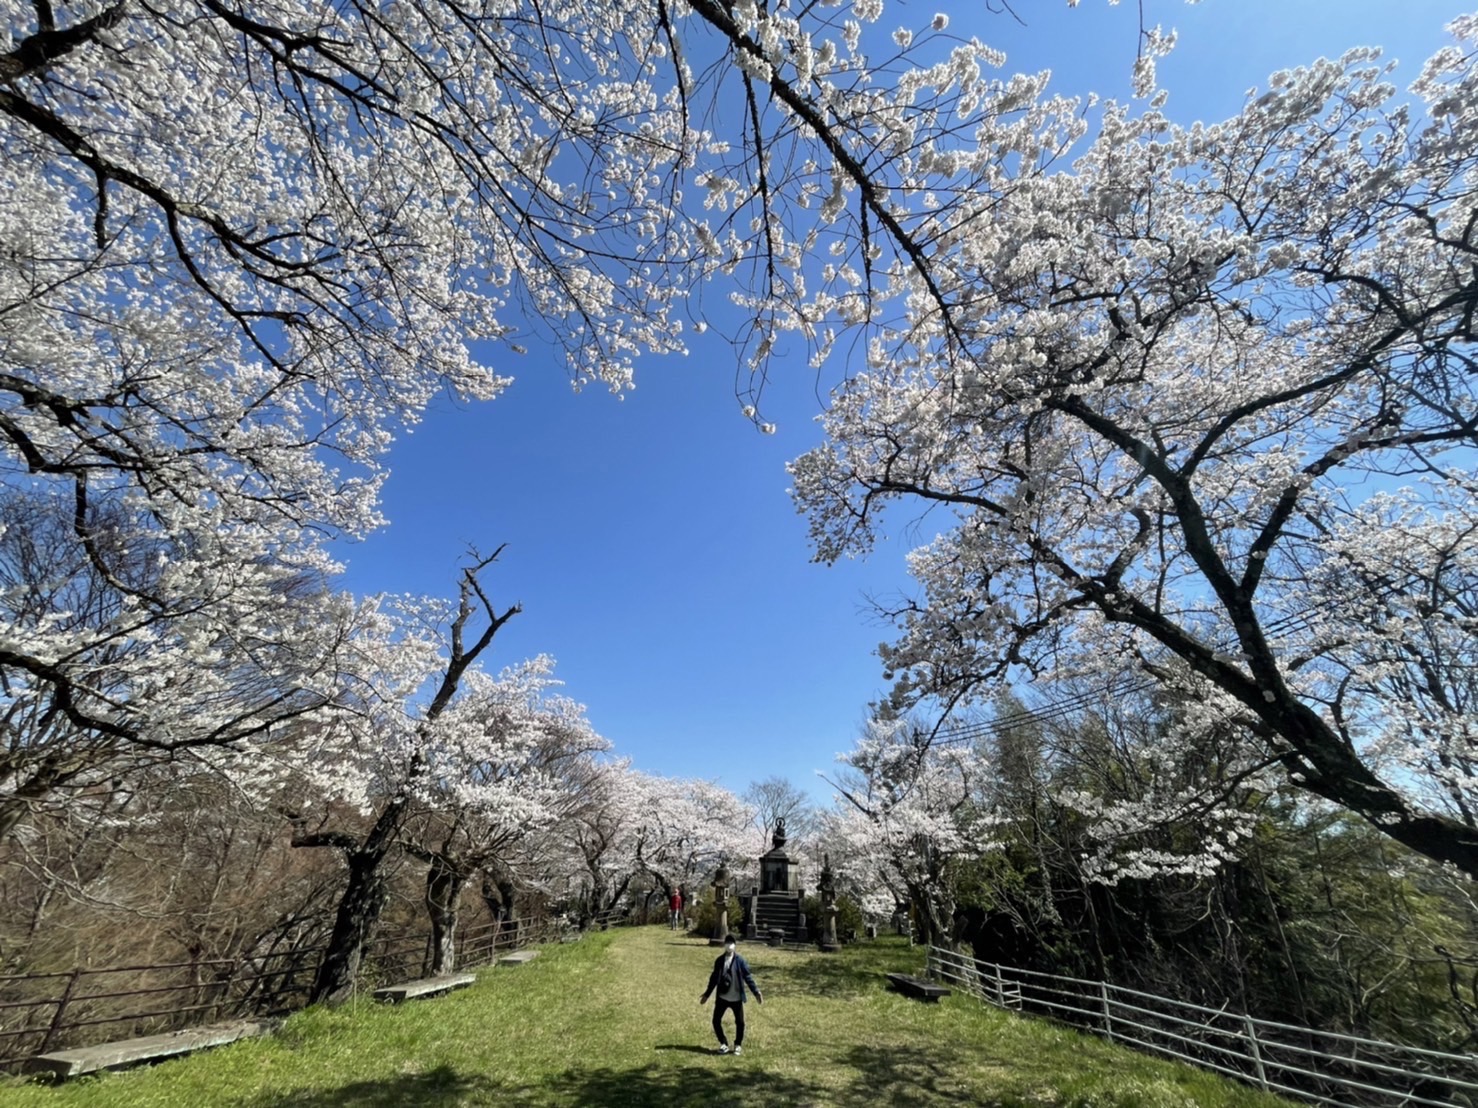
<point x="828" y="907"/>
<point x="720" y="905"/>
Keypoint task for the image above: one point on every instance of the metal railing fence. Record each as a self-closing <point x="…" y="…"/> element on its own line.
<point x="1323" y="1067"/>
<point x="40" y="1012"/>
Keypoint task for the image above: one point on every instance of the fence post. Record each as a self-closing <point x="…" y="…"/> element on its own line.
<point x="61" y="1010"/>
<point x="1108" y="1019"/>
<point x="1262" y="1077"/>
<point x="1000" y="987"/>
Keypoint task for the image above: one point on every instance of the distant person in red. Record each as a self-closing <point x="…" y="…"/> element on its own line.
<point x="675" y="907"/>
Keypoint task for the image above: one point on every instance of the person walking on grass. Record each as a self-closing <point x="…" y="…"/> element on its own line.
<point x="730" y="975"/>
<point x="674" y="907"/>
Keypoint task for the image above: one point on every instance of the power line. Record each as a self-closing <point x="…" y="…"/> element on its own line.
<point x="1059" y="709"/>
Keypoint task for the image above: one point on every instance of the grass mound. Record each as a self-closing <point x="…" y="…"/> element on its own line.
<point x="615" y="1020"/>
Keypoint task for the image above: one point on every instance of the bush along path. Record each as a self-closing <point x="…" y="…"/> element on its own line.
<point x="615" y="1020"/>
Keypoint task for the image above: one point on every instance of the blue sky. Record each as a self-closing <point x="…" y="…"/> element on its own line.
<point x="651" y="540"/>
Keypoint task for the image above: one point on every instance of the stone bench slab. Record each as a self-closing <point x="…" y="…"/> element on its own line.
<point x="426" y="986"/>
<point x="917" y="987"/>
<point x="62" y="1064"/>
<point x="518" y="957"/>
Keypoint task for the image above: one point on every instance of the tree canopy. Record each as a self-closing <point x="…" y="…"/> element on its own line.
<point x="1198" y="398"/>
<point x="1199" y="405"/>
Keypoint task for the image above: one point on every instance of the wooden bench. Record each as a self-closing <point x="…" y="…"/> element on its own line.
<point x="917" y="987"/>
<point x="426" y="986"/>
<point x="62" y="1064"/>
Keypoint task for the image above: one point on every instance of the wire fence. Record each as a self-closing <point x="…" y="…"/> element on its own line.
<point x="1322" y="1067"/>
<point x="41" y="1012"/>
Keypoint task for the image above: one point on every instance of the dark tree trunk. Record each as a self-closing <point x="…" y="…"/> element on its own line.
<point x="934" y="912"/>
<point x="498" y="894"/>
<point x="444" y="883"/>
<point x="359" y="908"/>
<point x="354" y="924"/>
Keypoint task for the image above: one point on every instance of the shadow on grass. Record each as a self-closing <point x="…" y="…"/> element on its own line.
<point x="441" y="1086"/>
<point x="686" y="1048"/>
<point x="918" y="1077"/>
<point x="905" y="1075"/>
<point x="689" y="1086"/>
<point x="734" y="1086"/>
<point x="833" y="977"/>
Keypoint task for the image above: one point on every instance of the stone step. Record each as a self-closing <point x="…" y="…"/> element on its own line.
<point x="426" y="986"/>
<point x="89" y="1059"/>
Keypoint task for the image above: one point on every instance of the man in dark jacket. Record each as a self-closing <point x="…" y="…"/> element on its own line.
<point x="730" y="975"/>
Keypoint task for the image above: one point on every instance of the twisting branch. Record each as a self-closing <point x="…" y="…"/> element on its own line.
<point x="872" y="196"/>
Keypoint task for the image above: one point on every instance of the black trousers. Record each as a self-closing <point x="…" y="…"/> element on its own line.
<point x="718" y="1020"/>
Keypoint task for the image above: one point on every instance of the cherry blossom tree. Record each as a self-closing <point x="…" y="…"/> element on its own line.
<point x="1127" y="782"/>
<point x="1198" y="404"/>
<point x="911" y="808"/>
<point x="240" y="245"/>
<point x="245" y="242"/>
<point x="601" y="835"/>
<point x="684" y="827"/>
<point x="633" y="831"/>
<point x="133" y="648"/>
<point x="390" y="752"/>
<point x="507" y="758"/>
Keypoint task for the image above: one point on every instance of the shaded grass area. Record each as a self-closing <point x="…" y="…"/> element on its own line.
<point x="615" y="1020"/>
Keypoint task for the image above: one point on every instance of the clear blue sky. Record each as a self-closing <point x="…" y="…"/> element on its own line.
<point x="651" y="541"/>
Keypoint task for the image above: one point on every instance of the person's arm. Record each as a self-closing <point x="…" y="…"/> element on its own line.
<point x="749" y="980"/>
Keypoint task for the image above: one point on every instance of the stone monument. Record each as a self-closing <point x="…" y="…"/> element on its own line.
<point x="772" y="910"/>
<point x="778" y="874"/>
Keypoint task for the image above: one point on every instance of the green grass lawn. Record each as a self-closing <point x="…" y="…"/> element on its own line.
<point x="615" y="1020"/>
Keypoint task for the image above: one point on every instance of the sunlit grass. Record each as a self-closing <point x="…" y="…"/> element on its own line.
<point x="615" y="1020"/>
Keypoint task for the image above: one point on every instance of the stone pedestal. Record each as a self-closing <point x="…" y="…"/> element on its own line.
<point x="827" y="889"/>
<point x="721" y="905"/>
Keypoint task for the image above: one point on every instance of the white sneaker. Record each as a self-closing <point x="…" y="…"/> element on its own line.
<point x="738" y="1050"/>
<point x="724" y="1049"/>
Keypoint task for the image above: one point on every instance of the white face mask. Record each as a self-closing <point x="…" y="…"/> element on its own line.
<point x="730" y="948"/>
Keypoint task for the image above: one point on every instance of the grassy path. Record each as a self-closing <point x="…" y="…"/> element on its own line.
<point x="615" y="1020"/>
